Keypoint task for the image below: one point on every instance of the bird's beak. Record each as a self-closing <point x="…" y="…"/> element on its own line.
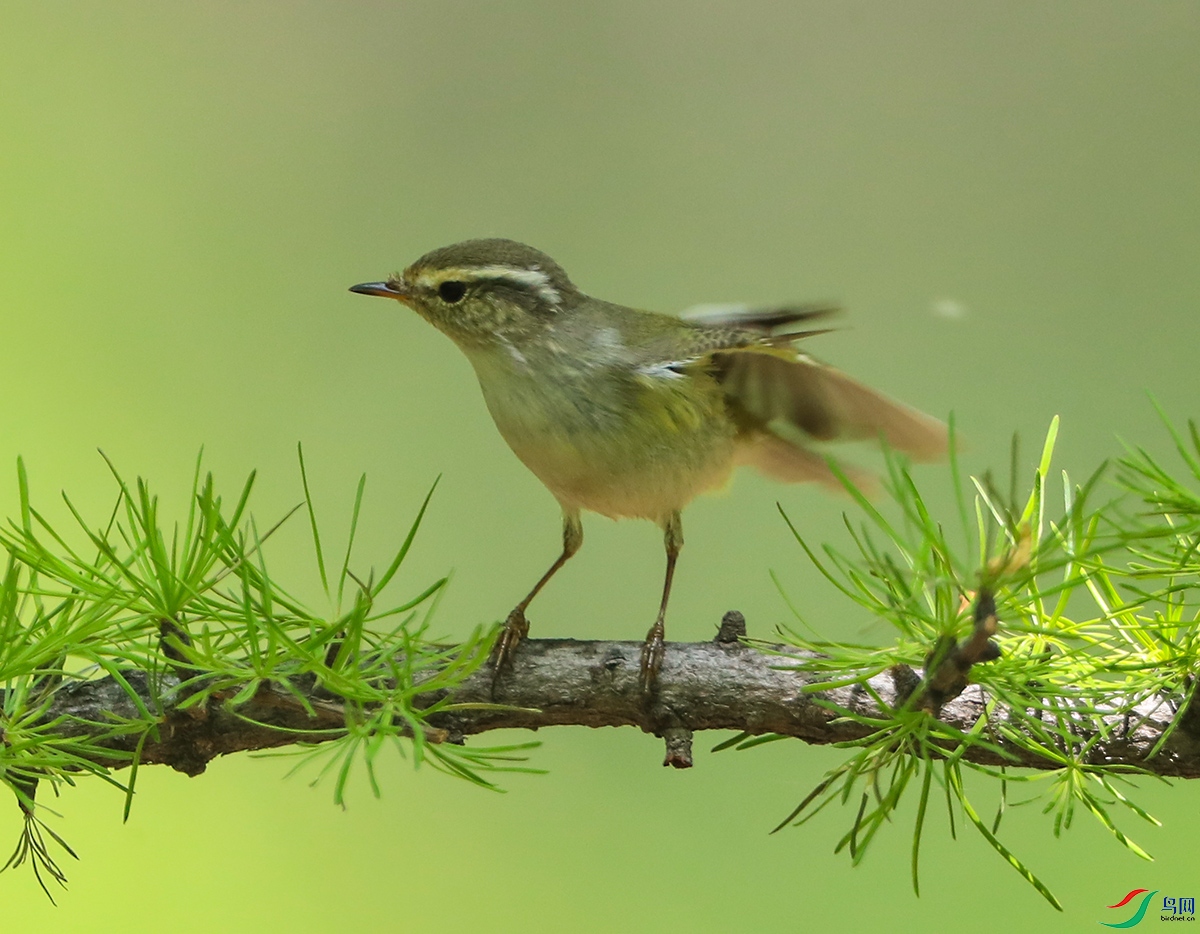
<point x="379" y="288"/>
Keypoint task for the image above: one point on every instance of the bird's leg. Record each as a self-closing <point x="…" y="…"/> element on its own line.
<point x="516" y="627"/>
<point x="652" y="651"/>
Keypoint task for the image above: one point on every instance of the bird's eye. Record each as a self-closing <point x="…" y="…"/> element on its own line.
<point x="451" y="291"/>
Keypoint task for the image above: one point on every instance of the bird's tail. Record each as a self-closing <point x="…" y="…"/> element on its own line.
<point x="786" y="462"/>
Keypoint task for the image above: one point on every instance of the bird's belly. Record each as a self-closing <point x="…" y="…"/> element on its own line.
<point x="621" y="448"/>
<point x="601" y="480"/>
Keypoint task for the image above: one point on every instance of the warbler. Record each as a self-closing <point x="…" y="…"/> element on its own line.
<point x="630" y="413"/>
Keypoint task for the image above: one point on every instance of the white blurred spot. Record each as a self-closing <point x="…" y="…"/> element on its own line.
<point x="949" y="308"/>
<point x="714" y="313"/>
<point x="666" y="370"/>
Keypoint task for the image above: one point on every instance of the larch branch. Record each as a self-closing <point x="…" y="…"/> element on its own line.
<point x="719" y="685"/>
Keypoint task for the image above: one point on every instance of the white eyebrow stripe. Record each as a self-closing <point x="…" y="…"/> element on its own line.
<point x="533" y="279"/>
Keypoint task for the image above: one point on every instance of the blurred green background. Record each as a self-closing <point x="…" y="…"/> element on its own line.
<point x="1005" y="196"/>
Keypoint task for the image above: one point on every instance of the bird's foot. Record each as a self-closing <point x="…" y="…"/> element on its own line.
<point x="516" y="628"/>
<point x="652" y="657"/>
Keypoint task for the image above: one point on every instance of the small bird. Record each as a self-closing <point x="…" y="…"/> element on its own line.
<point x="631" y="413"/>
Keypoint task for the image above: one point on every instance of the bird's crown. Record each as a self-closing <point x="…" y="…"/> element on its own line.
<point x="451" y="271"/>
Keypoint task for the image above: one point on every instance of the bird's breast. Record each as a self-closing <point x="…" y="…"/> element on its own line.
<point x="614" y="439"/>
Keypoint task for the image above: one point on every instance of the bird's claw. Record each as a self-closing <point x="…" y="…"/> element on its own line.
<point x="516" y="628"/>
<point x="653" y="650"/>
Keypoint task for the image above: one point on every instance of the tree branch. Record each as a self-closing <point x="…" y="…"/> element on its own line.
<point x="719" y="685"/>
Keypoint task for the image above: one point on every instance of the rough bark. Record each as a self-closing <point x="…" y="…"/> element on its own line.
<point x="719" y="685"/>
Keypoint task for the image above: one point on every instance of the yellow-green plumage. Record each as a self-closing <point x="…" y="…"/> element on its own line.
<point x="605" y="425"/>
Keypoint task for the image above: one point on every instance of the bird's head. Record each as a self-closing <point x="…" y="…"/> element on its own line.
<point x="482" y="291"/>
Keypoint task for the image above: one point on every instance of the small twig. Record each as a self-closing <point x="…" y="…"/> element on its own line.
<point x="678" y="740"/>
<point x="173" y="641"/>
<point x="949" y="664"/>
<point x="733" y="629"/>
